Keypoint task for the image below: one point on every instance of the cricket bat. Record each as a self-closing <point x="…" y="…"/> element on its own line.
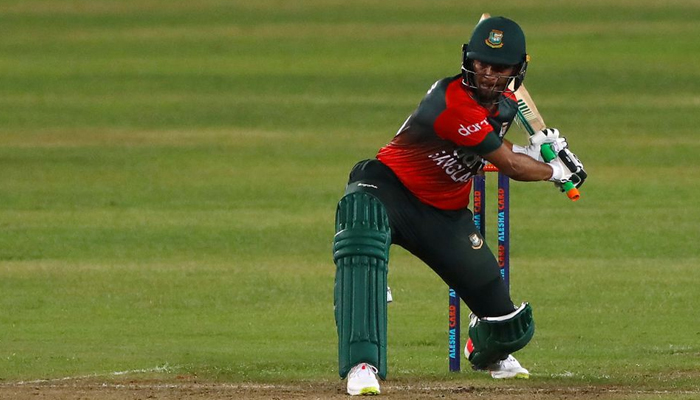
<point x="530" y="118"/>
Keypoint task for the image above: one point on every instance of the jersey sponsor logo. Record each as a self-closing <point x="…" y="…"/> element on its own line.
<point x="495" y="39"/>
<point x="473" y="128"/>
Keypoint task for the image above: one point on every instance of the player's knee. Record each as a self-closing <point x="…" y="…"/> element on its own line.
<point x="362" y="228"/>
<point x="493" y="338"/>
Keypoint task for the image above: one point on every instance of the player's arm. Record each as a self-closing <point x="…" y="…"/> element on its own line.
<point x="524" y="163"/>
<point x="518" y="166"/>
<point x="534" y="149"/>
<point x="469" y="127"/>
<point x="459" y="126"/>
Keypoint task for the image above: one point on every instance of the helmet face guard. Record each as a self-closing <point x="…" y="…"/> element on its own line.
<point x="495" y="41"/>
<point x="469" y="77"/>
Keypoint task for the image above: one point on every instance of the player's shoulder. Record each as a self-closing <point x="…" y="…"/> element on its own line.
<point x="461" y="102"/>
<point x="440" y="87"/>
<point x="452" y="93"/>
<point x="434" y="102"/>
<point x="457" y="95"/>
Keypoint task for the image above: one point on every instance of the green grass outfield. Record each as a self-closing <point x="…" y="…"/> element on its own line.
<point x="169" y="172"/>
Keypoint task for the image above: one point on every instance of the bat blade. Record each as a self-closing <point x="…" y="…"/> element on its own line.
<point x="528" y="114"/>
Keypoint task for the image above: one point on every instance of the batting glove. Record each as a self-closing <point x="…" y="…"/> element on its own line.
<point x="567" y="167"/>
<point x="549" y="135"/>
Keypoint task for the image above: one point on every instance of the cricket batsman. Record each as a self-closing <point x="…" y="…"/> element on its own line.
<point x="415" y="194"/>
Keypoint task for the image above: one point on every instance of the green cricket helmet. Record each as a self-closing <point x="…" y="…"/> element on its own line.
<point x="495" y="40"/>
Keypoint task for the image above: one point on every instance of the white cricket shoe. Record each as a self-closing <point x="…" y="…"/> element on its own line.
<point x="362" y="380"/>
<point x="507" y="369"/>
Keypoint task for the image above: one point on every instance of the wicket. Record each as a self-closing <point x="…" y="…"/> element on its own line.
<point x="479" y="207"/>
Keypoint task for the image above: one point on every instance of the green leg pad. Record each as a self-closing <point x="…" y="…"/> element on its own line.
<point x="361" y="254"/>
<point x="495" y="337"/>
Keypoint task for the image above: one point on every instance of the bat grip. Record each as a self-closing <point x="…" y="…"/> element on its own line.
<point x="549" y="155"/>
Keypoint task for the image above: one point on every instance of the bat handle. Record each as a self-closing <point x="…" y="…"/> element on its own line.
<point x="571" y="191"/>
<point x="549" y="155"/>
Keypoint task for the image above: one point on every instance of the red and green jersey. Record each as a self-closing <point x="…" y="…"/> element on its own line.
<point x="439" y="147"/>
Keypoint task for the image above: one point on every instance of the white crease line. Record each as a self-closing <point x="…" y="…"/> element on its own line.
<point x="164" y="368"/>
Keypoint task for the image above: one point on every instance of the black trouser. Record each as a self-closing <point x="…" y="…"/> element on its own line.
<point x="441" y="238"/>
